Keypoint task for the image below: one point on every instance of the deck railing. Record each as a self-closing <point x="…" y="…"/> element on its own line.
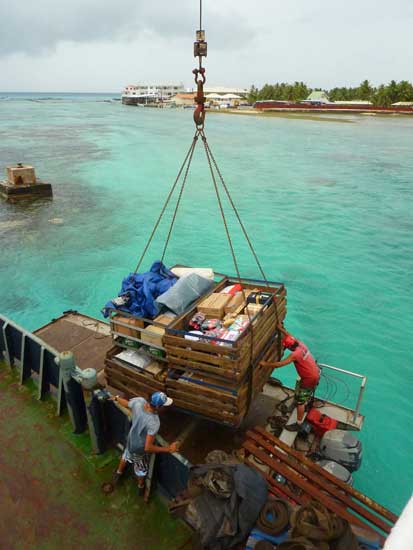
<point x="361" y="377"/>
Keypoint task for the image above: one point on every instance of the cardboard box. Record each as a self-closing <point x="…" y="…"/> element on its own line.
<point x="154" y="335"/>
<point x="131" y="321"/>
<point x="154" y="368"/>
<point x="214" y="305"/>
<point x="253" y="309"/>
<point x="234" y="303"/>
<point x="165" y="318"/>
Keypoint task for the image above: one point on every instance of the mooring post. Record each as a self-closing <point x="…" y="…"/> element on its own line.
<point x="74" y="394"/>
<point x="94" y="400"/>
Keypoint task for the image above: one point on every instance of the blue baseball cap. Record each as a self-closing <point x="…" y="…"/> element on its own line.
<point x="160" y="399"/>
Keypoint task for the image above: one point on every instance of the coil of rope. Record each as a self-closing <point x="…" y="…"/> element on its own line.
<point x="274" y="516"/>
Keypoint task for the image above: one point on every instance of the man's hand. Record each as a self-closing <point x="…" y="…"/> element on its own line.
<point x="174" y="447"/>
<point x="266" y="364"/>
<point x="281" y="328"/>
<point x="120" y="401"/>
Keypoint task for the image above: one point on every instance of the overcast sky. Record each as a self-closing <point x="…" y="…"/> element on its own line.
<point x="101" y="45"/>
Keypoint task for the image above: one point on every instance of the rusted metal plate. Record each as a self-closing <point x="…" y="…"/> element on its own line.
<point x="86" y="337"/>
<point x="91" y="353"/>
<point x="63" y="335"/>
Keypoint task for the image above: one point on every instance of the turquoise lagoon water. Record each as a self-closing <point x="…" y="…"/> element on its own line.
<point x="328" y="205"/>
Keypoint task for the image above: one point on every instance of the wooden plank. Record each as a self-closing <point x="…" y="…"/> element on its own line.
<point x="136" y="382"/>
<point x="178" y="340"/>
<point x="260" y="377"/>
<point x="222" y="362"/>
<point x="206" y="391"/>
<point x="333" y="479"/>
<point x="202" y="400"/>
<point x="184" y="364"/>
<point x="305" y="486"/>
<point x="281" y="489"/>
<point x="132" y="375"/>
<point x="262" y="340"/>
<point x="133" y="387"/>
<point x="127" y="390"/>
<point x="218" y="415"/>
<point x="133" y="382"/>
<point x="320" y="480"/>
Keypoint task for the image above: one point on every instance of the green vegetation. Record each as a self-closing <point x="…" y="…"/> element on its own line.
<point x="383" y="95"/>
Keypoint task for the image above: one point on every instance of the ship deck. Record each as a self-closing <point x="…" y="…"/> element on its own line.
<point x="89" y="339"/>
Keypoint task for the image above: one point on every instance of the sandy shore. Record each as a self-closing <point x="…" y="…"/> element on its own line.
<point x="277" y="114"/>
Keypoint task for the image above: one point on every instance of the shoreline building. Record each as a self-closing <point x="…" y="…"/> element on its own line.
<point x="317" y="97"/>
<point x="215" y="97"/>
<point x="135" y="94"/>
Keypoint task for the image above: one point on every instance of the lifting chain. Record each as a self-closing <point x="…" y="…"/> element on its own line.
<point x="200" y="51"/>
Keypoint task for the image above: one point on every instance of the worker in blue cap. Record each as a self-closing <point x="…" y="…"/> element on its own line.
<point x="141" y="437"/>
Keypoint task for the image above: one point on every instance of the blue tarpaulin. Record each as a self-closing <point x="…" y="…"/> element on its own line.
<point x="140" y="291"/>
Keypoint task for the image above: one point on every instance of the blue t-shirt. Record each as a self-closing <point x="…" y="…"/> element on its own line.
<point x="143" y="423"/>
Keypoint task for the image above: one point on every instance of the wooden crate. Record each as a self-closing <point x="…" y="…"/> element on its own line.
<point x="228" y="361"/>
<point x="131" y="380"/>
<point x="225" y="401"/>
<point x="126" y="325"/>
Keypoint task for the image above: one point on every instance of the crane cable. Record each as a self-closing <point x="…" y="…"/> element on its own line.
<point x="200" y="50"/>
<point x="168" y="198"/>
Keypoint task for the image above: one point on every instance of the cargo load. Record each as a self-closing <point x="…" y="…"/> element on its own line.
<point x="208" y="357"/>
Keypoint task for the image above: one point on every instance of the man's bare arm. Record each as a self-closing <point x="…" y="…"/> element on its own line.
<point x="150" y="447"/>
<point x="277" y="364"/>
<point x="282" y="329"/>
<point x="122" y="402"/>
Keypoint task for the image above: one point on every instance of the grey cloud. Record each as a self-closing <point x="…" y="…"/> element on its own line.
<point x="39" y="26"/>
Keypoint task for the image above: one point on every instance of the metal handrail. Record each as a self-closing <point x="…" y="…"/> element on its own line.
<point x="354" y="375"/>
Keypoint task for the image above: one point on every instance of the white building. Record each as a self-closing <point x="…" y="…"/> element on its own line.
<point x="221" y="90"/>
<point x="150" y="93"/>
